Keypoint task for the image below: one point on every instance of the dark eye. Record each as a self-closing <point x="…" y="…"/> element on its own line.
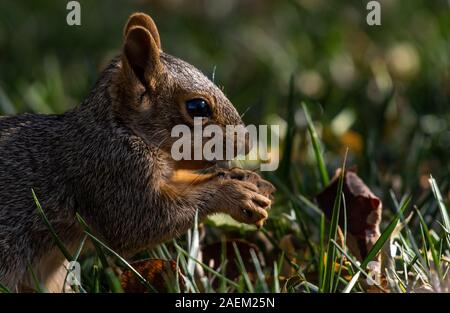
<point x="198" y="108"/>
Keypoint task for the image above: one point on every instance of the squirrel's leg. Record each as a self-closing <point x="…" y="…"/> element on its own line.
<point x="240" y="193"/>
<point x="170" y="208"/>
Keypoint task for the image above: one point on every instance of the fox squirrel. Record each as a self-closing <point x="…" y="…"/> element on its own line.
<point x="109" y="160"/>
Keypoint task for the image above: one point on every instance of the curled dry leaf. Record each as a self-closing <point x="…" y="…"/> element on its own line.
<point x="156" y="271"/>
<point x="363" y="210"/>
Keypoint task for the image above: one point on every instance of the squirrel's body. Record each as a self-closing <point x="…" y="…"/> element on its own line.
<point x="108" y="160"/>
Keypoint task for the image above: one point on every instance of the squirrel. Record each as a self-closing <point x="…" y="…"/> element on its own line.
<point x="109" y="160"/>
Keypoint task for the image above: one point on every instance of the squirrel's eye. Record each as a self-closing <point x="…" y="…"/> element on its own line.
<point x="198" y="108"/>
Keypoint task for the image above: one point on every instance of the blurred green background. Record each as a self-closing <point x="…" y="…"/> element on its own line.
<point x="383" y="91"/>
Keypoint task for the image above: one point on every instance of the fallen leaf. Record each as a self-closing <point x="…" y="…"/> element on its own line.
<point x="363" y="210"/>
<point x="156" y="271"/>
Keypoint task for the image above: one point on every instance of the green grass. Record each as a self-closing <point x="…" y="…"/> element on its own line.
<point x="395" y="126"/>
<point x="319" y="264"/>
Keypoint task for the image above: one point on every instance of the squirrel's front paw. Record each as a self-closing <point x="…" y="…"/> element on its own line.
<point x="265" y="188"/>
<point x="246" y="195"/>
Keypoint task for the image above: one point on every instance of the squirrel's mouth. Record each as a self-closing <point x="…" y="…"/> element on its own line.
<point x="239" y="146"/>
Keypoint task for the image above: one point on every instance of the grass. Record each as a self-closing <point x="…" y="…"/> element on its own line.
<point x="398" y="135"/>
<point x="414" y="251"/>
<point x="329" y="272"/>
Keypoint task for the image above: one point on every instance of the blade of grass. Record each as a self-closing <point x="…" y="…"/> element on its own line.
<point x="177" y="277"/>
<point x="122" y="260"/>
<point x="352" y="283"/>
<point x="341" y="263"/>
<point x="190" y="284"/>
<point x="223" y="265"/>
<point x="113" y="281"/>
<point x="405" y="221"/>
<point x="165" y="250"/>
<point x="424" y="244"/>
<point x="204" y="266"/>
<point x="100" y="253"/>
<point x="4" y="289"/>
<point x="56" y="238"/>
<point x="434" y="254"/>
<point x="321" y="249"/>
<point x="356" y="264"/>
<point x="386" y="233"/>
<point x="437" y="194"/>
<point x="76" y="256"/>
<point x="276" y="282"/>
<point x="285" y="164"/>
<point x="36" y="282"/>
<point x="259" y="271"/>
<point x="317" y="147"/>
<point x="194" y="246"/>
<point x="242" y="268"/>
<point x="328" y="281"/>
<point x="96" y="277"/>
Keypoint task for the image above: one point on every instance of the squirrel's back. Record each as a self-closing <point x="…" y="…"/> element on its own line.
<point x="26" y="162"/>
<point x="26" y="145"/>
<point x="74" y="162"/>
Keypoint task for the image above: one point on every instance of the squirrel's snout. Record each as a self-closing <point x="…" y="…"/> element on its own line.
<point x="239" y="141"/>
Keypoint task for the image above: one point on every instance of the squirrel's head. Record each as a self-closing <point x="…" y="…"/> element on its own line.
<point x="154" y="91"/>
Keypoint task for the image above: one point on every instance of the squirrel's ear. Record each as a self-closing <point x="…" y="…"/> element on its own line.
<point x="141" y="53"/>
<point x="145" y="21"/>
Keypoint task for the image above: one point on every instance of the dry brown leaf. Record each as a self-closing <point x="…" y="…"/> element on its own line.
<point x="156" y="271"/>
<point x="363" y="210"/>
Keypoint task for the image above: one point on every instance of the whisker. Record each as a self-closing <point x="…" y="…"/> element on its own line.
<point x="213" y="77"/>
<point x="246" y="110"/>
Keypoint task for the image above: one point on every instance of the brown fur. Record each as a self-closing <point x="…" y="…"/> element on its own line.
<point x="109" y="160"/>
